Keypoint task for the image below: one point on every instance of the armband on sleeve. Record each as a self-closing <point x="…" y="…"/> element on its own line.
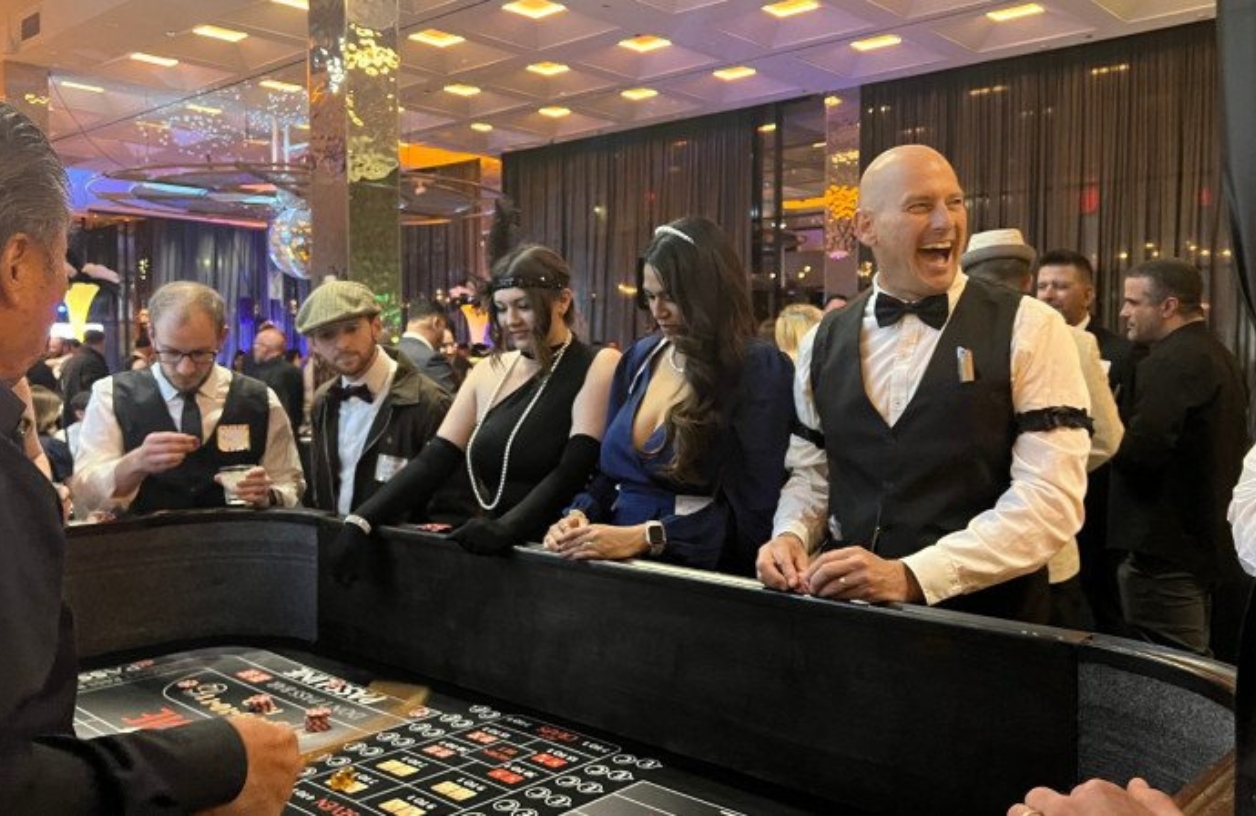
<point x="1048" y="419"/>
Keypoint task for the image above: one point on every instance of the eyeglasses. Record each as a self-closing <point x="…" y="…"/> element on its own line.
<point x="174" y="357"/>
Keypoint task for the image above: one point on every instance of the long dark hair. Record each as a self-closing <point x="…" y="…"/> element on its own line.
<point x="708" y="283"/>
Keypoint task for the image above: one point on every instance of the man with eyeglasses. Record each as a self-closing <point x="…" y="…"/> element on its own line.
<point x="154" y="439"/>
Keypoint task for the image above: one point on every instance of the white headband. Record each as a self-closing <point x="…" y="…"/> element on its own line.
<point x="667" y="230"/>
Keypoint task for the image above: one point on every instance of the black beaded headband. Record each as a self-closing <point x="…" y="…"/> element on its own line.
<point x="526" y="281"/>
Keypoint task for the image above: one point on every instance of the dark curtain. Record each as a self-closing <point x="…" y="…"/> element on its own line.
<point x="1236" y="33"/>
<point x="1111" y="149"/>
<point x="232" y="260"/>
<point x="597" y="201"/>
<point x="438" y="257"/>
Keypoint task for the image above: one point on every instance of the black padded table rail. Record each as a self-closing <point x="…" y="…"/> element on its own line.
<point x="872" y="709"/>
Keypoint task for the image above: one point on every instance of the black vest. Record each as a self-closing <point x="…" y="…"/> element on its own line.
<point x="141" y="410"/>
<point x="949" y="456"/>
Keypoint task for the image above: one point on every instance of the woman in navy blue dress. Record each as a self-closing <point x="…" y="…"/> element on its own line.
<point x="693" y="457"/>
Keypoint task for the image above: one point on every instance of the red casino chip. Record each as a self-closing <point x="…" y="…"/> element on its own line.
<point x="318" y="719"/>
<point x="261" y="704"/>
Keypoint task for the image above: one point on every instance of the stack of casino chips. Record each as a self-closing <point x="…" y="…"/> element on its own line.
<point x="260" y="704"/>
<point x="188" y="684"/>
<point x="318" y="719"/>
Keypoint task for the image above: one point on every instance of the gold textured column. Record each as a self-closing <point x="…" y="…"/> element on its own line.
<point x="25" y="87"/>
<point x="354" y="130"/>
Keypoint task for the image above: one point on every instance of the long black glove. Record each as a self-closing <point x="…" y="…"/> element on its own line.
<point x="528" y="518"/>
<point x="411" y="487"/>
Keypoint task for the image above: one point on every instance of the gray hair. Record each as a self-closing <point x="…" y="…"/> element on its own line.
<point x="181" y="297"/>
<point x="33" y="192"/>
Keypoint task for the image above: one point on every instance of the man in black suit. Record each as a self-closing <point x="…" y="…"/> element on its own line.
<point x="1066" y="282"/>
<point x="270" y="366"/>
<point x="84" y="368"/>
<point x="424" y="335"/>
<point x="246" y="762"/>
<point x="1175" y="470"/>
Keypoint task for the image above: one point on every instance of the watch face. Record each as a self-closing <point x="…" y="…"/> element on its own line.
<point x="654" y="534"/>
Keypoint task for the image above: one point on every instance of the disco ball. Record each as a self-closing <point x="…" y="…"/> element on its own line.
<point x="289" y="239"/>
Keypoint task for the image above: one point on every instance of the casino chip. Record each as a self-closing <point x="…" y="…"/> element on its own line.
<point x="261" y="704"/>
<point x="317" y="719"/>
<point x="342" y="780"/>
<point x="188" y="684"/>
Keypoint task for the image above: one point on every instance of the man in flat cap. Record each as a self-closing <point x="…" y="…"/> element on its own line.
<point x="378" y="414"/>
<point x="1003" y="258"/>
<point x="154" y="439"/>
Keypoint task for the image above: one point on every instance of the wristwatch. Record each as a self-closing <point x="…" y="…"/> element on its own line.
<point x="655" y="538"/>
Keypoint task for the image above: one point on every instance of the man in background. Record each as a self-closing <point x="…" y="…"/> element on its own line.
<point x="83" y="369"/>
<point x="1176" y="469"/>
<point x="422" y="342"/>
<point x="244" y="762"/>
<point x="270" y="365"/>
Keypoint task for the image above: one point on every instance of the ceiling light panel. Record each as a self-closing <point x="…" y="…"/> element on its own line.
<point x="873" y="43"/>
<point x="276" y="85"/>
<point x="736" y="72"/>
<point x="644" y="43"/>
<point x="788" y="8"/>
<point x="638" y="94"/>
<point x="437" y="38"/>
<point x="219" y="33"/>
<point x="535" y="9"/>
<point x="462" y="90"/>
<point x="554" y="112"/>
<point x="79" y="86"/>
<point x="153" y="59"/>
<point x="296" y="4"/>
<point x="548" y="68"/>
<point x="1004" y="15"/>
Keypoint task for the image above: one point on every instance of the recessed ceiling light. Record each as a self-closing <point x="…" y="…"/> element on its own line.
<point x="536" y="9"/>
<point x="164" y="62"/>
<point x="1015" y="12"/>
<point x="481" y="127"/>
<point x="736" y="72"/>
<point x="462" y="90"/>
<point x="832" y="101"/>
<point x="79" y="86"/>
<point x="296" y="4"/>
<point x="873" y="43"/>
<point x="218" y="33"/>
<point x="768" y="128"/>
<point x="554" y="112"/>
<point x="788" y="8"/>
<point x="548" y="68"/>
<point x="637" y="94"/>
<point x="204" y="109"/>
<point x="438" y="38"/>
<point x="645" y="42"/>
<point x="276" y="85"/>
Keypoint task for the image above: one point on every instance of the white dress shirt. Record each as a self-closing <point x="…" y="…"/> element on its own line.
<point x="1040" y="511"/>
<point x="354" y="422"/>
<point x="1109" y="431"/>
<point x="101" y="444"/>
<point x="1242" y="515"/>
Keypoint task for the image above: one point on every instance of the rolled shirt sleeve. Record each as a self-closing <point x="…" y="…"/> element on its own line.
<point x="804" y="501"/>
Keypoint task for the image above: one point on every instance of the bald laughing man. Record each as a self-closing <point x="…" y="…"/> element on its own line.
<point x="945" y="422"/>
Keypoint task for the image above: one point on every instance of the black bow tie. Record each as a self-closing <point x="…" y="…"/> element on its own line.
<point x="342" y="393"/>
<point x="932" y="310"/>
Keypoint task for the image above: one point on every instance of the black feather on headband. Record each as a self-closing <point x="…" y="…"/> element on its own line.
<point x="504" y="235"/>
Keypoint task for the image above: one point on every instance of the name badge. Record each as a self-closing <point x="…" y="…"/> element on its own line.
<point x="387" y="466"/>
<point x="233" y="438"/>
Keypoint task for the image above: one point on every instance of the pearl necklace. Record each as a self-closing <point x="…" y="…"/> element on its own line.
<point x="671" y="360"/>
<point x="510" y="440"/>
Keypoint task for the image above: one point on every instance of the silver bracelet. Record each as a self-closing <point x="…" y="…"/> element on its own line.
<point x="359" y="522"/>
